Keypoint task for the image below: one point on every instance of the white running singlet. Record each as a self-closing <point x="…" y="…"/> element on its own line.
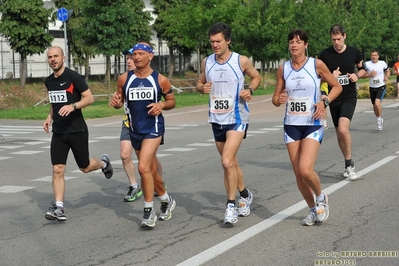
<point x="226" y="107"/>
<point x="303" y="89"/>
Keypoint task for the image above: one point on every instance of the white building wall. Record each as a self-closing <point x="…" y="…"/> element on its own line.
<point x="38" y="66"/>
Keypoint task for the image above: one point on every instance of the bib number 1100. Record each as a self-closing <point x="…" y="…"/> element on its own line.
<point x="140" y="94"/>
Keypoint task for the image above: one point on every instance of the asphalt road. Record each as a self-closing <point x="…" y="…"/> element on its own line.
<point x="102" y="229"/>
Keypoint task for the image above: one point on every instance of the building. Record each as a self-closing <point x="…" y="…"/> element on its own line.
<point x="38" y="66"/>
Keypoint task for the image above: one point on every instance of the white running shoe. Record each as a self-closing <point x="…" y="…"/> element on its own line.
<point x="310" y="219"/>
<point x="322" y="209"/>
<point x="350" y="173"/>
<point x="325" y="125"/>
<point x="230" y="215"/>
<point x="244" y="205"/>
<point x="379" y="123"/>
<point x="166" y="209"/>
<point x="149" y="219"/>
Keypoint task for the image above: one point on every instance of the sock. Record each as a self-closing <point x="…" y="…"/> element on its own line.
<point x="320" y="198"/>
<point x="149" y="204"/>
<point x="105" y="164"/>
<point x="231" y="203"/>
<point x="59" y="204"/>
<point x="165" y="197"/>
<point x="134" y="185"/>
<point x="348" y="163"/>
<point x="244" y="193"/>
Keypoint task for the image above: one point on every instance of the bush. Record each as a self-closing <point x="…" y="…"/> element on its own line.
<point x="363" y="91"/>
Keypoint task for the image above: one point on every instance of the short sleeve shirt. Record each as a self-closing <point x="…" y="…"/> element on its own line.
<point x="64" y="90"/>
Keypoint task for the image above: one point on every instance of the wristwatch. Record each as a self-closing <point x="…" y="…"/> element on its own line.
<point x="251" y="90"/>
<point x="326" y="102"/>
<point x="74" y="106"/>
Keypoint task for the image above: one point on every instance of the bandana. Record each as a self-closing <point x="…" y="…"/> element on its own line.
<point x="139" y="46"/>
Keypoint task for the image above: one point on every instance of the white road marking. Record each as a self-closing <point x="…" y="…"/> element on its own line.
<point x="271" y="128"/>
<point x="10" y="147"/>
<point x="50" y="178"/>
<point x="13" y="189"/>
<point x="241" y="237"/>
<point x="26" y="152"/>
<point x="180" y="149"/>
<point x="201" y="144"/>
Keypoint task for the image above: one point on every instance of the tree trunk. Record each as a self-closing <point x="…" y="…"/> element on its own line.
<point x="87" y="68"/>
<point x="108" y="75"/>
<point x="184" y="63"/>
<point x="22" y="71"/>
<point x="180" y="63"/>
<point x="171" y="63"/>
<point x="198" y="62"/>
<point x="107" y="68"/>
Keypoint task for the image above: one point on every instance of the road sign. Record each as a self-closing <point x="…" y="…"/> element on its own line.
<point x="62" y="14"/>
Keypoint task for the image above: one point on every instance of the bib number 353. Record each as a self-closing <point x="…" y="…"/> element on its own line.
<point x="221" y="103"/>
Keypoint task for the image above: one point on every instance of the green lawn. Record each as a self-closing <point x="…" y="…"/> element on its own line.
<point x="100" y="108"/>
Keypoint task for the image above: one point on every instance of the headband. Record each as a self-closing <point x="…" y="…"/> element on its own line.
<point x="139" y="46"/>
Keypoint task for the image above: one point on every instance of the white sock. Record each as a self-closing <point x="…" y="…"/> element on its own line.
<point x="148" y="204"/>
<point x="59" y="204"/>
<point x="134" y="185"/>
<point x="320" y="198"/>
<point x="165" y="197"/>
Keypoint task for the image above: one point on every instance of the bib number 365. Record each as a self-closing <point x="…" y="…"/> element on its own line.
<point x="299" y="106"/>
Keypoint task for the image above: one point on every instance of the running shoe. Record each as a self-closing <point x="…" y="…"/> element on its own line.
<point x="166" y="209"/>
<point x="149" y="219"/>
<point x="230" y="216"/>
<point x="350" y="173"/>
<point x="379" y="123"/>
<point x="133" y="194"/>
<point x="310" y="219"/>
<point x="109" y="170"/>
<point x="244" y="205"/>
<point x="55" y="213"/>
<point x="322" y="209"/>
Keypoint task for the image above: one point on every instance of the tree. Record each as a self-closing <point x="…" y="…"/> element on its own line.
<point x="112" y="26"/>
<point x="187" y="23"/>
<point x="80" y="51"/>
<point x="25" y="24"/>
<point x="389" y="45"/>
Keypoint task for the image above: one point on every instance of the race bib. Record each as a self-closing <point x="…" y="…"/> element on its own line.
<point x="221" y="104"/>
<point x="343" y="80"/>
<point x="57" y="96"/>
<point x="298" y="106"/>
<point x="141" y="94"/>
<point x="375" y="81"/>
